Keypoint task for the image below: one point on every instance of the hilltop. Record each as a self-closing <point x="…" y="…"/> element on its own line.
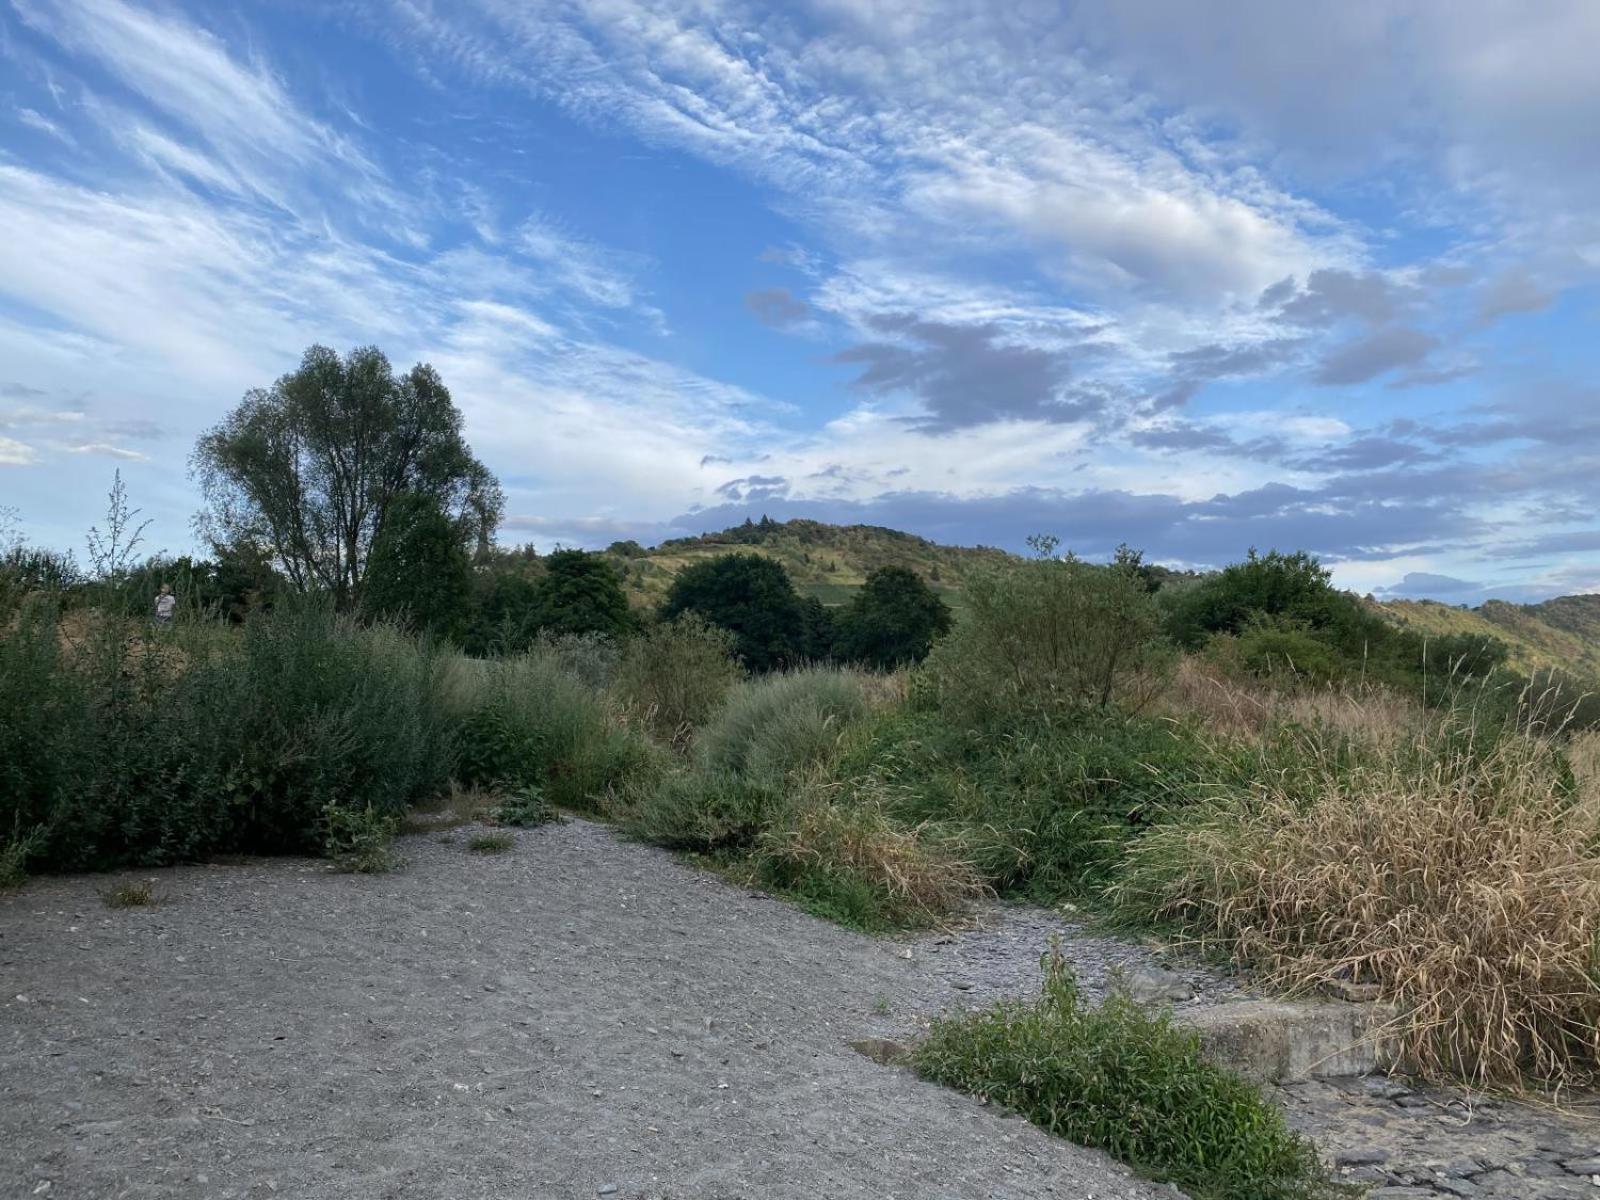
<point x="1560" y="634"/>
<point x="826" y="561"/>
<point x="831" y="562"/>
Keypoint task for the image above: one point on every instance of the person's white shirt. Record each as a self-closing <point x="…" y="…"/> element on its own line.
<point x="166" y="606"/>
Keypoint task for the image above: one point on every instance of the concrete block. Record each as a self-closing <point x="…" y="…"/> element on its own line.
<point x="1280" y="1041"/>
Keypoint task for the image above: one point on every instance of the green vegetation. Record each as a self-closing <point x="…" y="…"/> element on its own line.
<point x="524" y="808"/>
<point x="1267" y="765"/>
<point x="892" y="621"/>
<point x="1126" y="1081"/>
<point x="490" y="843"/>
<point x="753" y="599"/>
<point x="131" y="895"/>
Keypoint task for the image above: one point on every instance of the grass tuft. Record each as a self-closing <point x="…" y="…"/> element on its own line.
<point x="131" y="895"/>
<point x="1126" y="1081"/>
<point x="491" y="843"/>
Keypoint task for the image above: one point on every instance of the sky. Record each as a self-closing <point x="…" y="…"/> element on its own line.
<point x="1193" y="275"/>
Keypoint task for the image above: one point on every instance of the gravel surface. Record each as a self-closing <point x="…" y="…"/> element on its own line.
<point x="577" y="1017"/>
<point x="996" y="955"/>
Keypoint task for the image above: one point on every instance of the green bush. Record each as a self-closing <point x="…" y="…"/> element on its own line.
<point x="529" y="721"/>
<point x="123" y="746"/>
<point x="524" y="808"/>
<point x="1046" y="637"/>
<point x="360" y="840"/>
<point x="1045" y="809"/>
<point x="892" y="621"/>
<point x="581" y="593"/>
<point x="701" y="811"/>
<point x="752" y="597"/>
<point x="675" y="675"/>
<point x="1122" y="1080"/>
<point x="777" y="724"/>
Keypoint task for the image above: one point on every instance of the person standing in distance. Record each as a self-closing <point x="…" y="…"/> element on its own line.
<point x="166" y="606"/>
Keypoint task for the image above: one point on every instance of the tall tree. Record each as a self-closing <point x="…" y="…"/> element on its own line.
<point x="419" y="572"/>
<point x="312" y="466"/>
<point x="893" y="620"/>
<point x="581" y="593"/>
<point x="753" y="598"/>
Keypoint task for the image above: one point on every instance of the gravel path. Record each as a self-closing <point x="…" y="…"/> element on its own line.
<point x="578" y="1017"/>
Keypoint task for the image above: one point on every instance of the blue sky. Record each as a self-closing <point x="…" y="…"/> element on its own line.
<point x="1197" y="275"/>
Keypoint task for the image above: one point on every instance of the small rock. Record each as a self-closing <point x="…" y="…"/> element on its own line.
<point x="961" y="985"/>
<point x="1583" y="1166"/>
<point x="1456" y="1187"/>
<point x="1401" y="1193"/>
<point x="607" y="1189"/>
<point x="1361" y="1156"/>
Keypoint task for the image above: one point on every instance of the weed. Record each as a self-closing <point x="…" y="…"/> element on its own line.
<point x="524" y="807"/>
<point x="14" y="855"/>
<point x="490" y="843"/>
<point x="1123" y="1080"/>
<point x="131" y="895"/>
<point x="880" y="1006"/>
<point x="359" y="840"/>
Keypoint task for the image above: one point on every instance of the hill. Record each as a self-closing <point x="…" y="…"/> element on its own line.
<point x="1560" y="634"/>
<point x="826" y="561"/>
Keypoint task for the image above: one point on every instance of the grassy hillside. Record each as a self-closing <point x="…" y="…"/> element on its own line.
<point x="1563" y="633"/>
<point x="826" y="561"/>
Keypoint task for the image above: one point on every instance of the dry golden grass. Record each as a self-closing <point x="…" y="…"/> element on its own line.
<point x="920" y="881"/>
<point x="1251" y="711"/>
<point x="1462" y="878"/>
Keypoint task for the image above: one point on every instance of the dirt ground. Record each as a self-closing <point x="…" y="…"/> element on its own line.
<point x="577" y="1017"/>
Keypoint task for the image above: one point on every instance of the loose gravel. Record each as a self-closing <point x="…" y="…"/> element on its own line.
<point x="577" y="1017"/>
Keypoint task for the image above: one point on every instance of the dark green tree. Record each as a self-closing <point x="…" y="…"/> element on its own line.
<point x="750" y="596"/>
<point x="819" y="631"/>
<point x="581" y="593"/>
<point x="893" y="620"/>
<point x="419" y="573"/>
<point x="311" y="467"/>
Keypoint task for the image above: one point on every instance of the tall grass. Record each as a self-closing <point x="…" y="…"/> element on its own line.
<point x="1454" y="869"/>
<point x="531" y="721"/>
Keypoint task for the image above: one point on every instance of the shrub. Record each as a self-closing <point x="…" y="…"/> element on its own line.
<point x="124" y="748"/>
<point x="777" y="724"/>
<point x="1127" y="1082"/>
<point x="676" y="675"/>
<point x="1048" y="636"/>
<point x="701" y="811"/>
<point x="841" y="856"/>
<point x="892" y="621"/>
<point x="527" y="721"/>
<point x="1453" y="870"/>
<point x="360" y="840"/>
<point x="751" y="597"/>
<point x="131" y="895"/>
<point x="1044" y="809"/>
<point x="524" y="808"/>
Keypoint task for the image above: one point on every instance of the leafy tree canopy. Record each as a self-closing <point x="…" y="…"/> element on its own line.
<point x="753" y="598"/>
<point x="893" y="620"/>
<point x="581" y="593"/>
<point x="419" y="572"/>
<point x="312" y="466"/>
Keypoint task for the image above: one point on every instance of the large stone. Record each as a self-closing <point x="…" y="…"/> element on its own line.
<point x="1154" y="985"/>
<point x="1280" y="1041"/>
